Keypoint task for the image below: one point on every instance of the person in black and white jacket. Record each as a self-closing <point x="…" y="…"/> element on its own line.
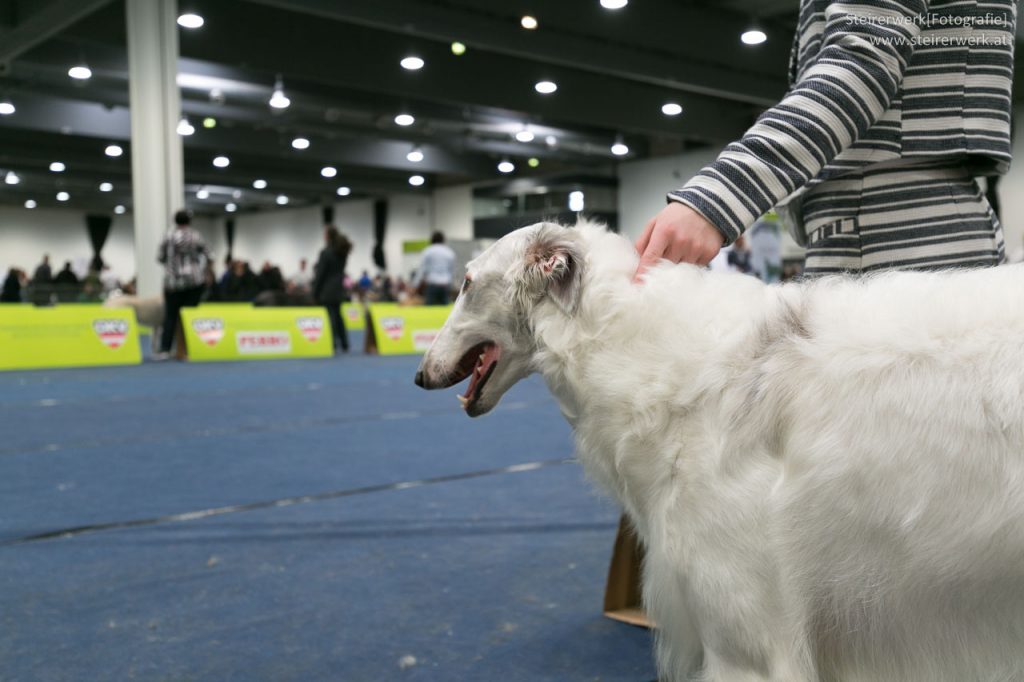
<point x="185" y="258"/>
<point x="895" y="108"/>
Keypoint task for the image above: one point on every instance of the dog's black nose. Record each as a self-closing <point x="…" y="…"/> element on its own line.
<point x="419" y="379"/>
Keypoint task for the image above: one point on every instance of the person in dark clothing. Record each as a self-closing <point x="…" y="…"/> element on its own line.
<point x="11" y="292"/>
<point x="329" y="281"/>
<point x="270" y="278"/>
<point x="240" y="284"/>
<point x="184" y="256"/>
<point x="43" y="273"/>
<point x="66" y="276"/>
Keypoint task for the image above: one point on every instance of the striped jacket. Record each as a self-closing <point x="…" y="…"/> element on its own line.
<point x="872" y="81"/>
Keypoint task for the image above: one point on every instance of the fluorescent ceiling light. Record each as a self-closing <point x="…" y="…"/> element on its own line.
<point x="545" y="87"/>
<point x="405" y="119"/>
<point x="671" y="109"/>
<point x="57" y="167"/>
<point x="190" y="20"/>
<point x="259" y="184"/>
<point x="416" y="180"/>
<point x="106" y="187"/>
<point x="113" y="150"/>
<point x="328" y="171"/>
<point x="222" y="162"/>
<point x="80" y="72"/>
<point x="412" y="63"/>
<point x="344" y="191"/>
<point x="300" y="143"/>
<point x="753" y="37"/>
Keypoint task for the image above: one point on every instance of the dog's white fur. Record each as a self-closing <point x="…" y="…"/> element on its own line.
<point x="148" y="311"/>
<point x="828" y="477"/>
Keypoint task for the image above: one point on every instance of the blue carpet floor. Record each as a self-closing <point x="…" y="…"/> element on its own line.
<point x="241" y="522"/>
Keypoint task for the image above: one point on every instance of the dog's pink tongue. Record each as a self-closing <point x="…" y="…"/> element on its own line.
<point x="488" y="358"/>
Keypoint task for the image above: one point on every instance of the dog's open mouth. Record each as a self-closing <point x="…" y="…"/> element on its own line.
<point x="478" y="364"/>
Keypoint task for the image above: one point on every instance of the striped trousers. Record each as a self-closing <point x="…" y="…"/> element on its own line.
<point x="900" y="218"/>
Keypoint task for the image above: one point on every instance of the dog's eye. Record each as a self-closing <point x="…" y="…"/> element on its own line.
<point x="465" y="284"/>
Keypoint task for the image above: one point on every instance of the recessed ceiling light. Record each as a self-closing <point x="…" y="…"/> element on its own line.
<point x="620" y="148"/>
<point x="328" y="171"/>
<point x="300" y="143"/>
<point x="190" y="20"/>
<point x="458" y="49"/>
<point x="525" y="135"/>
<point x="63" y="196"/>
<point x="80" y="72"/>
<point x="344" y="191"/>
<point x="113" y="150"/>
<point x="415" y="156"/>
<point x="12" y="178"/>
<point x="753" y="37"/>
<point x="671" y="109"/>
<point x="528" y="22"/>
<point x="545" y="87"/>
<point x="203" y="194"/>
<point x="614" y="4"/>
<point x="533" y="162"/>
<point x="222" y="162"/>
<point x="278" y="99"/>
<point x="119" y="209"/>
<point x="506" y="166"/>
<point x="236" y="194"/>
<point x="231" y="208"/>
<point x="551" y="141"/>
<point x="106" y="187"/>
<point x="412" y="63"/>
<point x="185" y="128"/>
<point x="57" y="167"/>
<point x="30" y="203"/>
<point x="416" y="180"/>
<point x="281" y="200"/>
<point x="259" y="184"/>
<point x="209" y="122"/>
<point x="405" y="119"/>
<point x="576" y="201"/>
<point x="6" y="108"/>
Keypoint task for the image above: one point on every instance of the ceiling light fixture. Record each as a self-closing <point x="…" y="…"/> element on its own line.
<point x="12" y="178"/>
<point x="551" y="141"/>
<point x="619" y="148"/>
<point x="259" y="184"/>
<point x="416" y="180"/>
<point x="328" y="171"/>
<point x="231" y="208"/>
<point x="671" y="109"/>
<point x="405" y="119"/>
<point x="80" y="72"/>
<point x="203" y="194"/>
<point x="576" y="201"/>
<point x="506" y="166"/>
<point x="30" y="203"/>
<point x="190" y="20"/>
<point x="221" y="162"/>
<point x="6" y="108"/>
<point x="614" y="4"/>
<point x="412" y="63"/>
<point x="63" y="196"/>
<point x="119" y="209"/>
<point x="533" y="162"/>
<point x="753" y="37"/>
<point x="344" y="191"/>
<point x="281" y="200"/>
<point x="106" y="187"/>
<point x="545" y="87"/>
<point x="278" y="100"/>
<point x="525" y="135"/>
<point x="209" y="122"/>
<point x="528" y="22"/>
<point x="415" y="156"/>
<point x="184" y="127"/>
<point x="113" y="150"/>
<point x="300" y="143"/>
<point x="458" y="49"/>
<point x="57" y="167"/>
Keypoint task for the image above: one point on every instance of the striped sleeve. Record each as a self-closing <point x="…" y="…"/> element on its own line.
<point x="866" y="48"/>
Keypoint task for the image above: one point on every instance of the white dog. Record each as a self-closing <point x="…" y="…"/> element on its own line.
<point x="148" y="311"/>
<point x="828" y="477"/>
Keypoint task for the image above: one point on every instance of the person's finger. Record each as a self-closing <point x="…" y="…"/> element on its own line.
<point x="645" y="237"/>
<point x="655" y="251"/>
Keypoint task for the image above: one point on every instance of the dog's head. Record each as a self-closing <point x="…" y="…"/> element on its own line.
<point x="488" y="339"/>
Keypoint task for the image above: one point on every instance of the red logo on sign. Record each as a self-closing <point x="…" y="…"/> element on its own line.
<point x="111" y="332"/>
<point x="270" y="342"/>
<point x="209" y="329"/>
<point x="311" y="327"/>
<point x="394" y="327"/>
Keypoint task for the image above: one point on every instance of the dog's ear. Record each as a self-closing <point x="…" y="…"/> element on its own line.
<point x="553" y="267"/>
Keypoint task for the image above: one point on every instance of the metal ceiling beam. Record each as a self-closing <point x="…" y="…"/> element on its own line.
<point x="697" y="30"/>
<point x="45" y="23"/>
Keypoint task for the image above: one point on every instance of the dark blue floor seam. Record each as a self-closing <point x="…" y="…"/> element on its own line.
<point x="284" y="502"/>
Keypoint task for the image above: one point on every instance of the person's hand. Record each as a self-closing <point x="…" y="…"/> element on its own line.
<point x="680" y="235"/>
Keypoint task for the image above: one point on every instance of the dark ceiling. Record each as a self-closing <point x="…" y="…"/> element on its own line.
<point x="340" y="65"/>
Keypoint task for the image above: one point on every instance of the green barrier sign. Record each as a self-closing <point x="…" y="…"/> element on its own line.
<point x="248" y="333"/>
<point x="67" y="336"/>
<point x="354" y="315"/>
<point x="406" y="330"/>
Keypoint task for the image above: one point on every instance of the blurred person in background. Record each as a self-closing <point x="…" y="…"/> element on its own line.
<point x="437" y="270"/>
<point x="329" y="282"/>
<point x="43" y="273"/>
<point x="301" y="283"/>
<point x="66" y="276"/>
<point x="184" y="257"/>
<point x="240" y="284"/>
<point x="11" y="292"/>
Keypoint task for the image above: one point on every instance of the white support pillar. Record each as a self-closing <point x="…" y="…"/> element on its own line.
<point x="158" y="183"/>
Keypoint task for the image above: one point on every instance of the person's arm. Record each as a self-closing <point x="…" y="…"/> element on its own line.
<point x="867" y="45"/>
<point x="161" y="254"/>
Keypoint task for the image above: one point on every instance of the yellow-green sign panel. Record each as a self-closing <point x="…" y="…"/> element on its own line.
<point x="354" y="315"/>
<point x="247" y="333"/>
<point x="406" y="330"/>
<point x="67" y="336"/>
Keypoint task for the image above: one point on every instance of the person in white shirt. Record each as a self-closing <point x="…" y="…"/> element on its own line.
<point x="437" y="270"/>
<point x="301" y="282"/>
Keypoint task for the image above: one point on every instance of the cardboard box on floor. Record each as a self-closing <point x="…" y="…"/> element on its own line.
<point x="622" y="597"/>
